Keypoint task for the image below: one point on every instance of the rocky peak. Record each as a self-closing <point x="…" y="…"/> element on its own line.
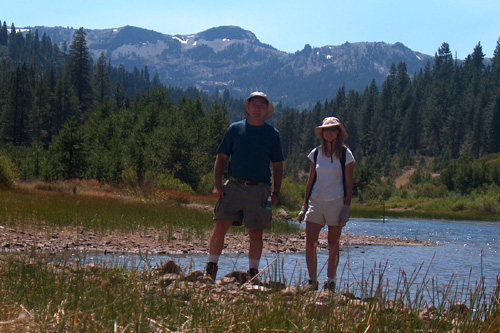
<point x="226" y="32"/>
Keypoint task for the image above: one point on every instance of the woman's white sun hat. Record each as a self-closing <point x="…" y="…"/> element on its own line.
<point x="331" y="122"/>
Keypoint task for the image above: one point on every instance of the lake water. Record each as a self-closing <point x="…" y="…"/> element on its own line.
<point x="467" y="252"/>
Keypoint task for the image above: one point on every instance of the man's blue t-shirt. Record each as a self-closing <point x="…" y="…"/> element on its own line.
<point x="251" y="149"/>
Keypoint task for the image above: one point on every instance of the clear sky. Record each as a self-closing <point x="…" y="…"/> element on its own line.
<point x="422" y="25"/>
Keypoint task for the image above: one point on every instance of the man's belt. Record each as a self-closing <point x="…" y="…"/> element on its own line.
<point x="244" y="182"/>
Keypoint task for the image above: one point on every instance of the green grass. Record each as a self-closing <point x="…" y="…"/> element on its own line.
<point x="426" y="210"/>
<point x="101" y="213"/>
<point x="96" y="212"/>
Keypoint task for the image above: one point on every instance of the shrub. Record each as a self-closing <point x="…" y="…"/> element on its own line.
<point x="377" y="191"/>
<point x="166" y="181"/>
<point x="8" y="171"/>
<point x="489" y="205"/>
<point x="206" y="184"/>
<point x="458" y="205"/>
<point x="129" y="177"/>
<point x="487" y="198"/>
<point x="430" y="190"/>
<point x="291" y="194"/>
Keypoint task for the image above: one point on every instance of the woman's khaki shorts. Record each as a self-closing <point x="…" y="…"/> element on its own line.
<point x="324" y="212"/>
<point x="244" y="203"/>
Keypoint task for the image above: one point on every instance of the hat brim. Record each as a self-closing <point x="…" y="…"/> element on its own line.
<point x="319" y="131"/>
<point x="269" y="111"/>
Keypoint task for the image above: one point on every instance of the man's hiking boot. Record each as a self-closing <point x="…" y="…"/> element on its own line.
<point x="251" y="273"/>
<point x="329" y="286"/>
<point x="211" y="270"/>
<point x="313" y="283"/>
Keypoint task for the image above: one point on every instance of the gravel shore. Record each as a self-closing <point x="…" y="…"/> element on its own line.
<point x="154" y="241"/>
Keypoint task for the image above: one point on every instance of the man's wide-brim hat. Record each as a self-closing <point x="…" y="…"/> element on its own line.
<point x="270" y="107"/>
<point x="331" y="122"/>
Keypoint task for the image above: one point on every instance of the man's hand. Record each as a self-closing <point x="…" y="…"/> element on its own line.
<point x="275" y="198"/>
<point x="218" y="192"/>
<point x="220" y="164"/>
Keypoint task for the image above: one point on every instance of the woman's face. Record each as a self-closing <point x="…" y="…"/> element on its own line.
<point x="330" y="133"/>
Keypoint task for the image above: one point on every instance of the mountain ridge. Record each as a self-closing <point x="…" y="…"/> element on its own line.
<point x="230" y="57"/>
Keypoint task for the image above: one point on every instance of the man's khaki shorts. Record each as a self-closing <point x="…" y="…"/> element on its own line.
<point x="242" y="203"/>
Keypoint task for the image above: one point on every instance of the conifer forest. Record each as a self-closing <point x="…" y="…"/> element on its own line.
<point x="64" y="115"/>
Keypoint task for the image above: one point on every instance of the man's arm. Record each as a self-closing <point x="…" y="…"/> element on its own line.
<point x="277" y="178"/>
<point x="220" y="165"/>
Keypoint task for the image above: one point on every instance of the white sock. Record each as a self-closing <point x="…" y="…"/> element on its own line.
<point x="253" y="263"/>
<point x="213" y="258"/>
<point x="330" y="279"/>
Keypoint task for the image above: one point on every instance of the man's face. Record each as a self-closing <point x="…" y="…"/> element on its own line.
<point x="257" y="107"/>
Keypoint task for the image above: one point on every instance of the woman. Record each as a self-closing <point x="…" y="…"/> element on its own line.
<point x="328" y="196"/>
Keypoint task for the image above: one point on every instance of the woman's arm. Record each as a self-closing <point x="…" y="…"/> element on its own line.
<point x="309" y="185"/>
<point x="349" y="171"/>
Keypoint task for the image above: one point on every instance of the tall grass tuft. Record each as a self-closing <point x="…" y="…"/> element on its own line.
<point x="39" y="294"/>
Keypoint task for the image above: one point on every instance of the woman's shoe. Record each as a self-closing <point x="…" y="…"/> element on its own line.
<point x="329" y="286"/>
<point x="312" y="284"/>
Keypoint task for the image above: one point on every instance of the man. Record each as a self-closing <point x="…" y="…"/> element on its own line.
<point x="250" y="146"/>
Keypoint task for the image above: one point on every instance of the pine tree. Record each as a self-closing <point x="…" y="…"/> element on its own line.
<point x="80" y="69"/>
<point x="66" y="102"/>
<point x="66" y="154"/>
<point x="101" y="79"/>
<point x="368" y="139"/>
<point x="14" y="122"/>
<point x="43" y="117"/>
<point x="495" y="66"/>
<point x="16" y="46"/>
<point x="4" y="36"/>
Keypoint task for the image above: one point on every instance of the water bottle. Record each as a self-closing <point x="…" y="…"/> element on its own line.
<point x="269" y="203"/>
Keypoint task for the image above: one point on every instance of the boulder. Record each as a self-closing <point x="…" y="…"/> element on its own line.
<point x="169" y="267"/>
<point x="283" y="215"/>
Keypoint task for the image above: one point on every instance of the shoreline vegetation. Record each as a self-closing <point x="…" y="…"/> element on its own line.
<point x="39" y="293"/>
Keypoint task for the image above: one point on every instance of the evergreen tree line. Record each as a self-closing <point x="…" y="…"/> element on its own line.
<point x="77" y="119"/>
<point x="447" y="110"/>
<point x="41" y="86"/>
<point x="80" y="120"/>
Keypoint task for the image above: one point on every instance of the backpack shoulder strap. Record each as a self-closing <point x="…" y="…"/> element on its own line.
<point x="316" y="151"/>
<point x="315" y="158"/>
<point x="342" y="164"/>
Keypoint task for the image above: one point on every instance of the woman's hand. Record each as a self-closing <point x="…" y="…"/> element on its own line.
<point x="344" y="214"/>
<point x="302" y="213"/>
